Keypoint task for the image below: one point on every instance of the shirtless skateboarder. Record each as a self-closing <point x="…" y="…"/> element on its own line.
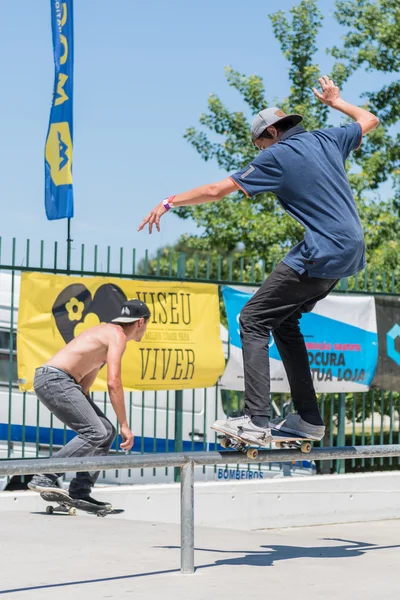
<point x="63" y="384"/>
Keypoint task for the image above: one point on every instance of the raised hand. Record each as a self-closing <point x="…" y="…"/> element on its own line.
<point x="330" y="92"/>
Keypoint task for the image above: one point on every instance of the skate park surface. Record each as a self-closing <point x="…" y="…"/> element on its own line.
<point x="60" y="556"/>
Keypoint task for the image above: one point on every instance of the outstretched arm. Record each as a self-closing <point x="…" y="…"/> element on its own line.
<point x="199" y="195"/>
<point x="331" y="97"/>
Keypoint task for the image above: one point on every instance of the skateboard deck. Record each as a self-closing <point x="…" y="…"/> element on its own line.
<point x="280" y="439"/>
<point x="68" y="505"/>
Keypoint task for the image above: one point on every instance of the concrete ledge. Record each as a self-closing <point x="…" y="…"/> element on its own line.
<point x="293" y="502"/>
<point x="245" y="505"/>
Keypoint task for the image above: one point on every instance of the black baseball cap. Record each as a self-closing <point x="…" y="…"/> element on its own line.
<point x="133" y="310"/>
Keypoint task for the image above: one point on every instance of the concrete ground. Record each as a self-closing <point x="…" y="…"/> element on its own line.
<point x="60" y="556"/>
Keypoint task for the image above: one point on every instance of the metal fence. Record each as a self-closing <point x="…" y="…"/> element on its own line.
<point x="177" y="421"/>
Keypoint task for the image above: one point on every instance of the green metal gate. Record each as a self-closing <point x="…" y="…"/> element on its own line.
<point x="356" y="418"/>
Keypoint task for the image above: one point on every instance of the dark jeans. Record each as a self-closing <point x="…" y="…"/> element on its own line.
<point x="278" y="306"/>
<point x="60" y="393"/>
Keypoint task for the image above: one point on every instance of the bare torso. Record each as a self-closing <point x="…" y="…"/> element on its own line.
<point x="85" y="353"/>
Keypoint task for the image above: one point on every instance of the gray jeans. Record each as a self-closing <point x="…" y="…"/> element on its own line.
<point x="60" y="393"/>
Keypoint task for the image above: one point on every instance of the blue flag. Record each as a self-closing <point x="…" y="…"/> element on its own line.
<point x="59" y="200"/>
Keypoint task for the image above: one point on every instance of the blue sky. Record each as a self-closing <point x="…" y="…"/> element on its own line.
<point x="143" y="73"/>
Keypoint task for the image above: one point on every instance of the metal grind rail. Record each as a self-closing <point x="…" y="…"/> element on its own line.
<point x="186" y="461"/>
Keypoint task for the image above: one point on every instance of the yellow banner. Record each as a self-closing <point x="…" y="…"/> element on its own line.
<point x="181" y="348"/>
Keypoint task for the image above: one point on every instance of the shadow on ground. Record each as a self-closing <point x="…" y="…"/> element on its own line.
<point x="266" y="557"/>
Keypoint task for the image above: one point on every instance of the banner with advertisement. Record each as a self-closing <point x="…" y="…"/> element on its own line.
<point x="387" y="374"/>
<point x="59" y="202"/>
<point x="181" y="348"/>
<point x="341" y="339"/>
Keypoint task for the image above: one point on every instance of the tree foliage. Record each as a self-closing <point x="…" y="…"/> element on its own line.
<point x="372" y="42"/>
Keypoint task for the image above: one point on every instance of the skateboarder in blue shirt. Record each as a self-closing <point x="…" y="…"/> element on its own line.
<point x="306" y="172"/>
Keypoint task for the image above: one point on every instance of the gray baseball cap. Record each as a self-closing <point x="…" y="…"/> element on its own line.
<point x="271" y="116"/>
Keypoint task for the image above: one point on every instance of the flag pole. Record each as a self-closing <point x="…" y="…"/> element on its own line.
<point x="69" y="240"/>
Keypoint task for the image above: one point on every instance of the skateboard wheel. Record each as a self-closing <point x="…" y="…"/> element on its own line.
<point x="49" y="510"/>
<point x="306" y="447"/>
<point x="252" y="453"/>
<point x="278" y="445"/>
<point x="226" y="442"/>
<point x="100" y="515"/>
<point x="72" y="511"/>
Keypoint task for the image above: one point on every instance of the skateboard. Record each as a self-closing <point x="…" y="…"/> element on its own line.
<point x="279" y="438"/>
<point x="68" y="505"/>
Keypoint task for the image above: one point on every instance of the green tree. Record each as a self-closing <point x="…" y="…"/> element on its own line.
<point x="259" y="228"/>
<point x="372" y="42"/>
<point x="201" y="258"/>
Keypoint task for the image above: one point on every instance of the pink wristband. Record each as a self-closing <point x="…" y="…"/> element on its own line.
<point x="167" y="202"/>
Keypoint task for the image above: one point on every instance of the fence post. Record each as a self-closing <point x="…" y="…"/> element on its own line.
<point x="181" y="266"/>
<point x="11" y="355"/>
<point x="187" y="518"/>
<point x="340" y="465"/>
<point x="180" y="272"/>
<point x="178" y="429"/>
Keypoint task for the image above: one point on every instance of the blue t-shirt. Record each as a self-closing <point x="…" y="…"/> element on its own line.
<point x="305" y="170"/>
